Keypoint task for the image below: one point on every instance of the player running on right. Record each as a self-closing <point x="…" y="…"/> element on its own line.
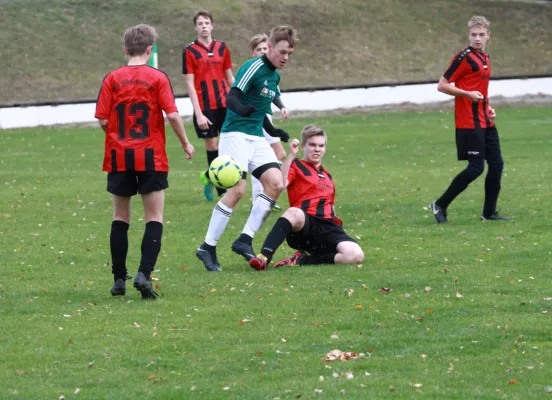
<point x="476" y="134"/>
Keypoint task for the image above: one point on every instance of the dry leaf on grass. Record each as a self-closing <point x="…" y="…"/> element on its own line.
<point x="244" y="321"/>
<point x="385" y="290"/>
<point x="340" y="355"/>
<point x="459" y="296"/>
<point x="513" y="382"/>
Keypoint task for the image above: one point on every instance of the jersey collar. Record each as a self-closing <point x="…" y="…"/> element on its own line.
<point x="268" y="63"/>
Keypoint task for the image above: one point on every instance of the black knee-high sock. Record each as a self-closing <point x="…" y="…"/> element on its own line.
<point x="151" y="246"/>
<point x="315" y="259"/>
<point x="461" y="181"/>
<point x="276" y="237"/>
<point x="211" y="155"/>
<point x="118" y="242"/>
<point x="492" y="189"/>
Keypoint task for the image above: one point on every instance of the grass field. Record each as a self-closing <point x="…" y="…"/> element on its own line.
<point x="469" y="315"/>
<point x="62" y="49"/>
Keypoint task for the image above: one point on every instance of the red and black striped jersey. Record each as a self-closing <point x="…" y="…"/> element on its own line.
<point x="312" y="189"/>
<point x="471" y="70"/>
<point x="208" y="64"/>
<point x="132" y="99"/>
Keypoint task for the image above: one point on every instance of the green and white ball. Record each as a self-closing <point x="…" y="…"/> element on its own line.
<point x="225" y="172"/>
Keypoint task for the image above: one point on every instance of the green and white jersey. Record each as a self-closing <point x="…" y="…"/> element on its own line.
<point x="258" y="79"/>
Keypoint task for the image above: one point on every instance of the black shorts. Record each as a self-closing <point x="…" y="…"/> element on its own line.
<point x="129" y="183"/>
<point x="472" y="143"/>
<point x="216" y="117"/>
<point x="318" y="235"/>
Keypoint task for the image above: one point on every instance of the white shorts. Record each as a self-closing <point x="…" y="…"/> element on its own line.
<point x="270" y="139"/>
<point x="251" y="152"/>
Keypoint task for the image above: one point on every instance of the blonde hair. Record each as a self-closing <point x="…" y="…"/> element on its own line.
<point x="479" y="21"/>
<point x="310" y="131"/>
<point x="257" y="39"/>
<point x="138" y="38"/>
<point x="283" y="32"/>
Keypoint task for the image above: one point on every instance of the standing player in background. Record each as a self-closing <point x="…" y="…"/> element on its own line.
<point x="259" y="46"/>
<point x="476" y="134"/>
<point x="130" y="111"/>
<point x="207" y="66"/>
<point x="249" y="100"/>
<point x="310" y="224"/>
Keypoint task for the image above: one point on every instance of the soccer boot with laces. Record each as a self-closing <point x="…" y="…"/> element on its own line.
<point x="208" y="255"/>
<point x="243" y="249"/>
<point x="495" y="217"/>
<point x="259" y="263"/>
<point x="208" y="187"/>
<point x="439" y="213"/>
<point x="143" y="285"/>
<point x="293" y="261"/>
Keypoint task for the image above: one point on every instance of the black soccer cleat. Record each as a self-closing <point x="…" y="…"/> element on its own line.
<point x="119" y="287"/>
<point x="243" y="249"/>
<point x="439" y="213"/>
<point x="143" y="285"/>
<point x="495" y="217"/>
<point x="208" y="255"/>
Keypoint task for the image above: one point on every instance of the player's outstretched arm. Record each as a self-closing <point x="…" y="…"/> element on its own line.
<point x="275" y="132"/>
<point x="233" y="103"/>
<point x="178" y="127"/>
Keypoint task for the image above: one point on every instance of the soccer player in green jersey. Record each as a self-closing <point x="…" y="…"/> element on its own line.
<point x="242" y="138"/>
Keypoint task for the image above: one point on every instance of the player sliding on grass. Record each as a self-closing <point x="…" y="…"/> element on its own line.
<point x="310" y="224"/>
<point x="130" y="111"/>
<point x="249" y="100"/>
<point x="476" y="133"/>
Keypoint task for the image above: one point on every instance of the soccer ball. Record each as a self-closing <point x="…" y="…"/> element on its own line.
<point x="225" y="172"/>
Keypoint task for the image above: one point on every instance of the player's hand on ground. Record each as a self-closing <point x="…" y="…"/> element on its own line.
<point x="475" y="96"/>
<point x="203" y="122"/>
<point x="283" y="135"/>
<point x="492" y="113"/>
<point x="294" y="147"/>
<point x="285" y="113"/>
<point x="247" y="110"/>
<point x="188" y="149"/>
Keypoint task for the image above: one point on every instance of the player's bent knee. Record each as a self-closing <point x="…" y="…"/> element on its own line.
<point x="295" y="216"/>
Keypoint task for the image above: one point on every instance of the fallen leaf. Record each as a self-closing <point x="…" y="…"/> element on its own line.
<point x="349" y="375"/>
<point x="136" y="325"/>
<point x="318" y="391"/>
<point x="334" y="336"/>
<point x="20" y="372"/>
<point x="417" y="385"/>
<point x="385" y="290"/>
<point x="340" y="355"/>
<point x="513" y="382"/>
<point x="365" y="286"/>
<point x="428" y="311"/>
<point x="90" y="364"/>
<point x="184" y="268"/>
<point x="77" y="391"/>
<point x="427" y="289"/>
<point x="459" y="296"/>
<point x="244" y="321"/>
<point x="213" y="290"/>
<point x="358" y="306"/>
<point x="226" y="388"/>
<point x="423" y="356"/>
<point x="406" y="295"/>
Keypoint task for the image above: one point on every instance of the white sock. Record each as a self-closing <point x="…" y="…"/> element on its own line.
<point x="219" y="219"/>
<point x="260" y="211"/>
<point x="256" y="188"/>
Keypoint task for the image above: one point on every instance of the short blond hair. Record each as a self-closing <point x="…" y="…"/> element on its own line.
<point x="283" y="32"/>
<point x="257" y="40"/>
<point x="138" y="38"/>
<point x="479" y="21"/>
<point x="310" y="131"/>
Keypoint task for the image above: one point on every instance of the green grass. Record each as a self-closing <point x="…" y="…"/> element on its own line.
<point x="62" y="49"/>
<point x="58" y="316"/>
